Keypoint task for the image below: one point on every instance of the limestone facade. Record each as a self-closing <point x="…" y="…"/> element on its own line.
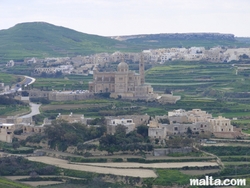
<point x="72" y="118"/>
<point x="196" y="120"/>
<point x="221" y="124"/>
<point x="137" y="119"/>
<point x="123" y="83"/>
<point x="7" y="132"/>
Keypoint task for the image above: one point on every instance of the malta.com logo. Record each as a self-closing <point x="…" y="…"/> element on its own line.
<point x="210" y="181"/>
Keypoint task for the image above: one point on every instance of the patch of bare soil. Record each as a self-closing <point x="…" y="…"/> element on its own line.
<point x="143" y="173"/>
<point x="37" y="183"/>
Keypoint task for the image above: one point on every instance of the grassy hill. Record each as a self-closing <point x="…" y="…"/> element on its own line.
<point x="39" y="39"/>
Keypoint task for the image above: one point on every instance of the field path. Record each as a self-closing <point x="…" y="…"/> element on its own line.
<point x="152" y="165"/>
<point x="143" y="173"/>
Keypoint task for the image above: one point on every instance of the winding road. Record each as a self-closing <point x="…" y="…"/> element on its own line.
<point x="34" y="110"/>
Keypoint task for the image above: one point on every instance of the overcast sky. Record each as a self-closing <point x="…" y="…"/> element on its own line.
<point x="127" y="17"/>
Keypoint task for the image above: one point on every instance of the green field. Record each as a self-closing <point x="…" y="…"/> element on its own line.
<point x="5" y="183"/>
<point x="69" y="82"/>
<point x="213" y="87"/>
<point x="171" y="178"/>
<point x="12" y="110"/>
<point x="7" y="78"/>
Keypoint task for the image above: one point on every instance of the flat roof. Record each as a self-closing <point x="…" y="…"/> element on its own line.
<point x="6" y="124"/>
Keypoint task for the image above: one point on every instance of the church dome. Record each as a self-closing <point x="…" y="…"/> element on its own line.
<point x="122" y="67"/>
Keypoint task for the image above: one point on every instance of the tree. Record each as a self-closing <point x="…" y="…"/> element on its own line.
<point x="189" y="131"/>
<point x="120" y="130"/>
<point x="15" y="145"/>
<point x="167" y="91"/>
<point x="58" y="74"/>
<point x="142" y="130"/>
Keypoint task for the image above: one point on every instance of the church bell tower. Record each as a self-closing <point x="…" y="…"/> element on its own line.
<point x="141" y="69"/>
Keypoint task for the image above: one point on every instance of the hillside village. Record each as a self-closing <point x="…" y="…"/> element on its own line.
<point x="126" y="84"/>
<point x="177" y="122"/>
<point x="84" y="65"/>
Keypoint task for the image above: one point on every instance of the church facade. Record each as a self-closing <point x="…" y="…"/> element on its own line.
<point x="123" y="83"/>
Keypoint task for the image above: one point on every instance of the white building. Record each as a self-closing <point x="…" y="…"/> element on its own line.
<point x="128" y="123"/>
<point x="179" y="112"/>
<point x="167" y="56"/>
<point x="11" y="63"/>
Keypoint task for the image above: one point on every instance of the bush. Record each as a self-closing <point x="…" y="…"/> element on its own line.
<point x="117" y="160"/>
<point x="88" y="160"/>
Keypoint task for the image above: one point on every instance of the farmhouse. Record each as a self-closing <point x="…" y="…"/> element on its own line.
<point x="128" y="123"/>
<point x="7" y="132"/>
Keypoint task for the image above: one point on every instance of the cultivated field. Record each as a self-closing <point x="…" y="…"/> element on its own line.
<point x="39" y="183"/>
<point x="70" y="106"/>
<point x="143" y="173"/>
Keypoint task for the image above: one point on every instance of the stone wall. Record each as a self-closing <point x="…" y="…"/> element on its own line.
<point x="166" y="151"/>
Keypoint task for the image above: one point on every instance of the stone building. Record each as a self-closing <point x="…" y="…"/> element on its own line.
<point x="123" y="83"/>
<point x="128" y="123"/>
<point x="162" y="131"/>
<point x="69" y="95"/>
<point x="60" y="95"/>
<point x="6" y="132"/>
<point x="72" y="118"/>
<point x="221" y="124"/>
<point x="198" y="121"/>
<point x="11" y="63"/>
<point x="156" y="130"/>
<point x="33" y="129"/>
<point x="137" y="119"/>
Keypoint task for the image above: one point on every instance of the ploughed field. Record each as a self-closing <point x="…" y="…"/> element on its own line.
<point x="122" y="169"/>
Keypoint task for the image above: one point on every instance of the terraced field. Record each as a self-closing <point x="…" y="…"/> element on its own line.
<point x="186" y="75"/>
<point x="143" y="173"/>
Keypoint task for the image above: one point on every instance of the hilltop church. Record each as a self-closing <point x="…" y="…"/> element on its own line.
<point x="123" y="83"/>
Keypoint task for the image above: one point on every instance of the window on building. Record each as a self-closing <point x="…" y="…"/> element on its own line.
<point x="221" y="129"/>
<point x="176" y="128"/>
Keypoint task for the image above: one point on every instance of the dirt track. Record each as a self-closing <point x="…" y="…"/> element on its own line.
<point x="152" y="165"/>
<point x="143" y="173"/>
